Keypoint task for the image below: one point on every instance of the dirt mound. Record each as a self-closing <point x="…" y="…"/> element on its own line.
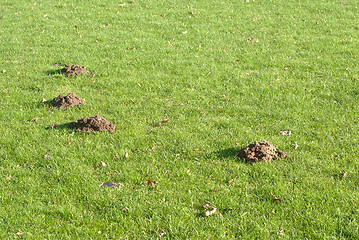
<point x="91" y="124"/>
<point x="69" y="101"/>
<point x="74" y="70"/>
<point x="260" y="151"/>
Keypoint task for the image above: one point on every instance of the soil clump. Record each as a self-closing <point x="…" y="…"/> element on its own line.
<point x="92" y="124"/>
<point x="69" y="101"/>
<point x="52" y="126"/>
<point x="74" y="70"/>
<point x="260" y="151"/>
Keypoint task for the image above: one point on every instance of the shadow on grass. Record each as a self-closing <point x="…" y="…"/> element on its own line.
<point x="68" y="125"/>
<point x="54" y="72"/>
<point x="199" y="211"/>
<point x="342" y="175"/>
<point x="64" y="126"/>
<point x="42" y="103"/>
<point x="228" y="153"/>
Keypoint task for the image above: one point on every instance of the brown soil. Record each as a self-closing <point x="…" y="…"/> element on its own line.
<point x="91" y="124"/>
<point x="74" y="70"/>
<point x="69" y="101"/>
<point x="52" y="126"/>
<point x="260" y="151"/>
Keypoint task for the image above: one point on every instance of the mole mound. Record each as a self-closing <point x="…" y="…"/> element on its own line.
<point x="69" y="101"/>
<point x="91" y="124"/>
<point x="261" y="151"/>
<point x="74" y="70"/>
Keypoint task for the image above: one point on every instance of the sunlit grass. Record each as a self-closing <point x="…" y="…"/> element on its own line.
<point x="224" y="74"/>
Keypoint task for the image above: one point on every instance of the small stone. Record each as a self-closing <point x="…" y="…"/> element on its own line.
<point x="109" y="184"/>
<point x="285" y="132"/>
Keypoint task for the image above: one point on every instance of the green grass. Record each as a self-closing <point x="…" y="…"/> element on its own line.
<point x="225" y="73"/>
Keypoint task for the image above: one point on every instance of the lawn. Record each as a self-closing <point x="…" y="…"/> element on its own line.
<point x="225" y="74"/>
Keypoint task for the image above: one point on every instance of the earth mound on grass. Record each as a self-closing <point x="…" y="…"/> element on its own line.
<point x="69" y="101"/>
<point x="260" y="151"/>
<point x="92" y="124"/>
<point x="74" y="70"/>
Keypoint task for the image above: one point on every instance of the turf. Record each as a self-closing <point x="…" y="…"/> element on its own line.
<point x="225" y="74"/>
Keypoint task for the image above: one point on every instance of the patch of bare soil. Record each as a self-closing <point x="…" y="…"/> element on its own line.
<point x="69" y="101"/>
<point x="260" y="151"/>
<point x="91" y="124"/>
<point x="74" y="70"/>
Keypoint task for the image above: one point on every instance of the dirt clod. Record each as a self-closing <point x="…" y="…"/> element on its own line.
<point x="69" y="101"/>
<point x="151" y="182"/>
<point x="209" y="210"/>
<point x="52" y="126"/>
<point x="91" y="124"/>
<point x="74" y="70"/>
<point x="260" y="151"/>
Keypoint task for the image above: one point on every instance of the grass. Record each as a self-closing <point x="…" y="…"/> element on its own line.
<point x="225" y="74"/>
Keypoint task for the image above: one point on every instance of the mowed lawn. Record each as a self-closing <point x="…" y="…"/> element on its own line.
<point x="220" y="75"/>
